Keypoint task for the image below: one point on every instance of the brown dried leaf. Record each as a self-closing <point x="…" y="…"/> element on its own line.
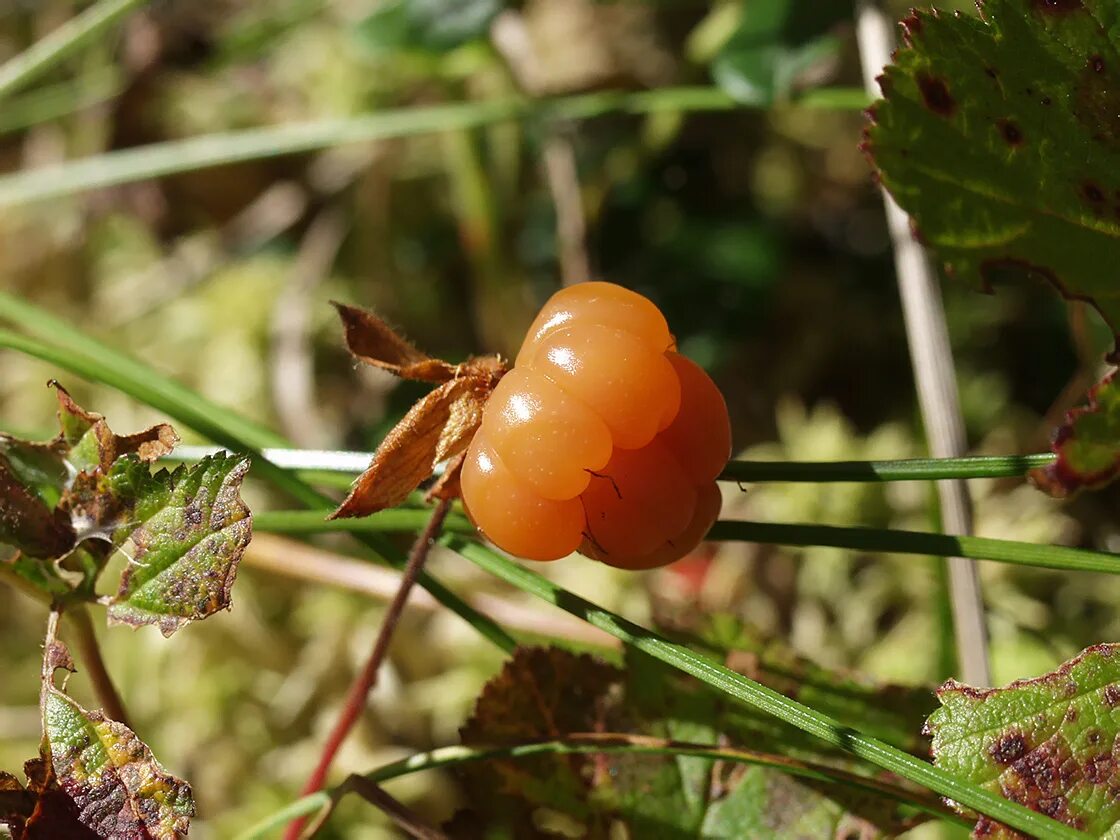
<point x="376" y="343"/>
<point x="41" y="811"/>
<point x="26" y="521"/>
<point x="436" y="428"/>
<point x="92" y="444"/>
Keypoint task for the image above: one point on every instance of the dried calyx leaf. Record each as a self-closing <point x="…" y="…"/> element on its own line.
<point x="437" y="428"/>
<point x="110" y="775"/>
<point x="1087" y="445"/>
<point x="1048" y="743"/>
<point x="376" y="343"/>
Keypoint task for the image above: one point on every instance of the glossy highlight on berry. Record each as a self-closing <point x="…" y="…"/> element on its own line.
<point x="602" y="438"/>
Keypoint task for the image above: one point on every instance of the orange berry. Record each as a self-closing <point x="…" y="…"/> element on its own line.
<point x="641" y="498"/>
<point x="548" y="439"/>
<point x="510" y="514"/>
<point x="631" y="387"/>
<point x="602" y="436"/>
<point x="600" y="303"/>
<point x="700" y="434"/>
<point x="708" y="503"/>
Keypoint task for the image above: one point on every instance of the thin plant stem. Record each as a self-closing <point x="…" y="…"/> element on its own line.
<point x="281" y="556"/>
<point x="605" y="743"/>
<point x="340" y="462"/>
<point x="367" y="678"/>
<point x="210" y="150"/>
<point x="63" y="42"/>
<point x="931" y="357"/>
<point x="405" y="818"/>
<point x="89" y="651"/>
<point x="1055" y="557"/>
<point x="907" y="469"/>
<point x="885" y="540"/>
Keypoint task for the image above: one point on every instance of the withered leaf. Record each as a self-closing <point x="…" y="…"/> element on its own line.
<point x="376" y="343"/>
<point x="91" y="444"/>
<point x="1087" y="445"/>
<point x="436" y="428"/>
<point x="551" y="693"/>
<point x="118" y="787"/>
<point x="27" y="522"/>
<point x="41" y="811"/>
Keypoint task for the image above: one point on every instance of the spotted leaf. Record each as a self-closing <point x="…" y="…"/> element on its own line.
<point x="183" y="532"/>
<point x="118" y="788"/>
<point x="1001" y="137"/>
<point x="1049" y="743"/>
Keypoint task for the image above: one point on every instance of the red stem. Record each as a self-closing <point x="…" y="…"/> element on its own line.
<point x="367" y="678"/>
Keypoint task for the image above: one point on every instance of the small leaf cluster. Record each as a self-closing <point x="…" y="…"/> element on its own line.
<point x="66" y="507"/>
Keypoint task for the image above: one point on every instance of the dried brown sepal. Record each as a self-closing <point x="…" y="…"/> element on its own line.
<point x="436" y="428"/>
<point x="446" y="487"/>
<point x="374" y="342"/>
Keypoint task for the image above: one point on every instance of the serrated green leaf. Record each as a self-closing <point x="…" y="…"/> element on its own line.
<point x="549" y="693"/>
<point x="120" y="790"/>
<point x="775" y="44"/>
<point x="1001" y="137"/>
<point x="1047" y="743"/>
<point x="1087" y="444"/>
<point x="55" y="497"/>
<point x="187" y="530"/>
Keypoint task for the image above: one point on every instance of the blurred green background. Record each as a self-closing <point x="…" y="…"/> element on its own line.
<point x="758" y="231"/>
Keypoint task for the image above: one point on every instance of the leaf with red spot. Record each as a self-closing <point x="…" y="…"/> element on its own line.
<point x="1000" y="136"/>
<point x="546" y="694"/>
<point x="1049" y="743"/>
<point x="1087" y="445"/>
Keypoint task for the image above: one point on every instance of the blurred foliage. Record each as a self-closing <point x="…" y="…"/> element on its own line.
<point x="759" y="233"/>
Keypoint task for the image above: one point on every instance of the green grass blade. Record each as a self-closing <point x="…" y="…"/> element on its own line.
<point x="303" y="522"/>
<point x="917" y="542"/>
<point x="858" y="539"/>
<point x="146" y="385"/>
<point x="63" y="42"/>
<point x="449" y="756"/>
<point x="910" y="469"/>
<point x="224" y="426"/>
<point x="907" y="469"/>
<point x="766" y="699"/>
<point x="159" y="159"/>
<point x="58" y="101"/>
